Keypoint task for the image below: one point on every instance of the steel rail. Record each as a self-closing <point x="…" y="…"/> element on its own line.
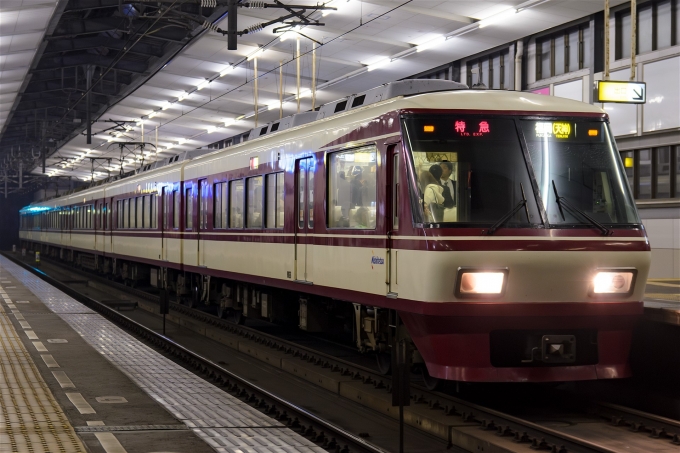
<point x="522" y="431"/>
<point x="324" y="433"/>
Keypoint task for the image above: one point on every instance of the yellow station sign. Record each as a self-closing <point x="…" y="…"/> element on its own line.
<point x="621" y="92"/>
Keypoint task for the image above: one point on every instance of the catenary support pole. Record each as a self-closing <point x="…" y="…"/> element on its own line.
<point x="297" y="65"/>
<point x="606" y="40"/>
<point x="633" y="37"/>
<point x="255" y="87"/>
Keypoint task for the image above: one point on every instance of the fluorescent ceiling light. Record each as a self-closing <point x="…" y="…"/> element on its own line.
<point x="152" y="114"/>
<point x="431" y="43"/>
<point x="257" y="54"/>
<point x="379" y="64"/>
<point x="226" y="71"/>
<point x="166" y="105"/>
<point x="203" y="84"/>
<point x="212" y="129"/>
<point x="182" y="141"/>
<point x="182" y="96"/>
<point x="497" y="17"/>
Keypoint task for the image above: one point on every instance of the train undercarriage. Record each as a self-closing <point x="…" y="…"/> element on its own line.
<point x="371" y="330"/>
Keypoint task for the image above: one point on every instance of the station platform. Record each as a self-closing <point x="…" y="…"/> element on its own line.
<point x="72" y="381"/>
<point x="662" y="300"/>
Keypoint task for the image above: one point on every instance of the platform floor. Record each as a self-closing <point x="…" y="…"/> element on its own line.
<point x="662" y="300"/>
<point x="71" y="381"/>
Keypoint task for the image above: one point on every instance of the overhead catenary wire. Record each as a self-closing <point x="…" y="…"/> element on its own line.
<point x="264" y="73"/>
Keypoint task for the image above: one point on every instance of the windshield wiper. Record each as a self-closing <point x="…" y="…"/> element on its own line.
<point x="508" y="216"/>
<point x="561" y="201"/>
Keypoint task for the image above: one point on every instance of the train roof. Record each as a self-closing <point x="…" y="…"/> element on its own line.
<point x="402" y="95"/>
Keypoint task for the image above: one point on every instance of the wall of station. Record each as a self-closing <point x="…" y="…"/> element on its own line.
<point x="567" y="61"/>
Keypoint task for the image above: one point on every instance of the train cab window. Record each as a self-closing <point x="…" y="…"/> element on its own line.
<point x="352" y="189"/>
<point x="470" y="171"/>
<point x="189" y="209"/>
<point x="236" y="204"/>
<point x="577" y="160"/>
<point x="254" y="202"/>
<point x="176" y="203"/>
<point x="274" y="200"/>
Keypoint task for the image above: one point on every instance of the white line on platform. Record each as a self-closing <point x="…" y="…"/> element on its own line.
<point x="49" y="361"/>
<point x="24" y="325"/>
<point x="95" y="423"/>
<point x="79" y="402"/>
<point x="39" y="346"/>
<point x="63" y="380"/>
<point x="31" y="335"/>
<point x="110" y="443"/>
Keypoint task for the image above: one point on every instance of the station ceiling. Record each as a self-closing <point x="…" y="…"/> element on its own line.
<point x="176" y="82"/>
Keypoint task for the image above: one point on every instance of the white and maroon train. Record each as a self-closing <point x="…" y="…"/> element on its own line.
<point x="498" y="225"/>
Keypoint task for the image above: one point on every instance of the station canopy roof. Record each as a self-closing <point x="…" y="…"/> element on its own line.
<point x="176" y="82"/>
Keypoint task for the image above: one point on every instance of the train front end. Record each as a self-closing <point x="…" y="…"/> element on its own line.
<point x="527" y="260"/>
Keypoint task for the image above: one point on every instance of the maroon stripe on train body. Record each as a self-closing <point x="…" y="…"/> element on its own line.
<point x="435" y="244"/>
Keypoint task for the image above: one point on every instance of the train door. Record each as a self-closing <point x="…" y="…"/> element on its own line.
<point x="392" y="218"/>
<point x="304" y="222"/>
<point x="164" y="223"/>
<point x="203" y="197"/>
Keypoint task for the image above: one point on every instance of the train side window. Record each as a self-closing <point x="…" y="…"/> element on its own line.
<point x="254" y="202"/>
<point x="236" y="204"/>
<point x="203" y="196"/>
<point x="147" y="211"/>
<point x="189" y="212"/>
<point x="352" y="189"/>
<point x="166" y="208"/>
<point x="126" y="213"/>
<point x="154" y="211"/>
<point x="133" y="212"/>
<point x="274" y="200"/>
<point x="217" y="207"/>
<point x="176" y="203"/>
<point x="140" y="212"/>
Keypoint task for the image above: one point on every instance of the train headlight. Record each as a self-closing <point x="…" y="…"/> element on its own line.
<point x="480" y="282"/>
<point x="616" y="282"/>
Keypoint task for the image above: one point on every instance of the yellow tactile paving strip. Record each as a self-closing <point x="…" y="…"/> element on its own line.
<point x="30" y="418"/>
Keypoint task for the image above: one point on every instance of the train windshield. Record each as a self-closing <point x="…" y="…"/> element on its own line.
<point x="579" y="173"/>
<point x="470" y="171"/>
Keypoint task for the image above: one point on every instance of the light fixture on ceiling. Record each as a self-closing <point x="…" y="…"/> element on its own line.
<point x="203" y="84"/>
<point x="152" y="114"/>
<point x="379" y="64"/>
<point x="257" y="54"/>
<point x="497" y="17"/>
<point x="226" y="71"/>
<point x="166" y="105"/>
<point x="431" y="43"/>
<point x="182" y="96"/>
<point x="182" y="141"/>
<point x="212" y="129"/>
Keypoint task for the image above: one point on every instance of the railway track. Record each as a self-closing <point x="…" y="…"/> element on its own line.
<point x="461" y="423"/>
